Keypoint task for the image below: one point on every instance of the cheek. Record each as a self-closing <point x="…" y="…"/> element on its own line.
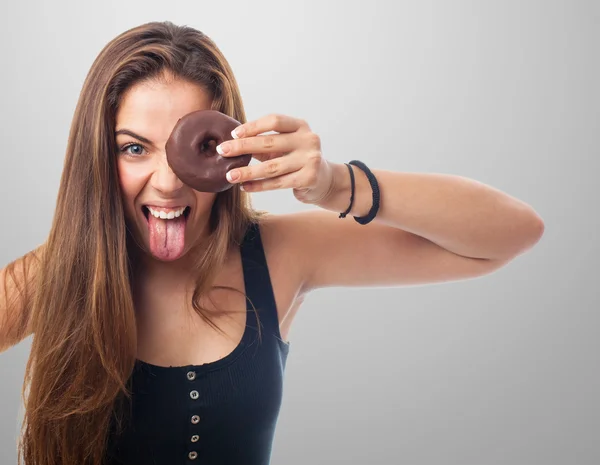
<point x="132" y="180"/>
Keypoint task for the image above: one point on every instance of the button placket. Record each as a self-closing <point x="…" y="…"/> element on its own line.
<point x="195" y="418"/>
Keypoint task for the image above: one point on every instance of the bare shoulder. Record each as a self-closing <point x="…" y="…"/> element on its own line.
<point x="285" y="270"/>
<point x="287" y="243"/>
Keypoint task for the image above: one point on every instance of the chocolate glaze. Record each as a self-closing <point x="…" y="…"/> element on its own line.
<point x="191" y="150"/>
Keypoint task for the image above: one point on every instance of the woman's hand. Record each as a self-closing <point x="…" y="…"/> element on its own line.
<point x="289" y="159"/>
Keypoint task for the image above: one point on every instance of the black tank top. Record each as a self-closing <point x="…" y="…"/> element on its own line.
<point x="223" y="412"/>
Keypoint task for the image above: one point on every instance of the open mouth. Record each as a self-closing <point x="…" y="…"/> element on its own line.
<point x="173" y="213"/>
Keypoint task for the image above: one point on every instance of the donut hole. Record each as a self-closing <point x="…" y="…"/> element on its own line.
<point x="209" y="146"/>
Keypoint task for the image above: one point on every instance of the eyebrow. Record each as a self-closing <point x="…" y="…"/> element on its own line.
<point x="133" y="134"/>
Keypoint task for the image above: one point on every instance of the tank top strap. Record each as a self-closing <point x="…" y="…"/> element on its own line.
<point x="257" y="280"/>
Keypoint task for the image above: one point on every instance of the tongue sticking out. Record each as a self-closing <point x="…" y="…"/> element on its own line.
<point x="167" y="237"/>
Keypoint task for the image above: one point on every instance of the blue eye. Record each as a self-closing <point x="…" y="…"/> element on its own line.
<point x="138" y="151"/>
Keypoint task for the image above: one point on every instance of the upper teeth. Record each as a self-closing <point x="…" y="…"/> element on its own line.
<point x="167" y="214"/>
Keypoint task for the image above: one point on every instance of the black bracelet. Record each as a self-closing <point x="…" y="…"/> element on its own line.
<point x="376" y="195"/>
<point x="343" y="215"/>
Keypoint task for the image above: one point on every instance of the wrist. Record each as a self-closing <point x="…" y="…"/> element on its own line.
<point x="338" y="198"/>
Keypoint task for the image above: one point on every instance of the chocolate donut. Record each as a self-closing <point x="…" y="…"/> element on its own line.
<point x="191" y="150"/>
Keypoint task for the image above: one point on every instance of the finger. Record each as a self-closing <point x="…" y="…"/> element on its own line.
<point x="286" y="181"/>
<point x="270" y="143"/>
<point x="272" y="122"/>
<point x="266" y="170"/>
<point x="268" y="156"/>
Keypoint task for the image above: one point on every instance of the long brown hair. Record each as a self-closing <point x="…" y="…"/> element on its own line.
<point x="83" y="319"/>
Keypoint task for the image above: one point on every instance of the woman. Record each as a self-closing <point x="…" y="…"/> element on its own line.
<point x="164" y="340"/>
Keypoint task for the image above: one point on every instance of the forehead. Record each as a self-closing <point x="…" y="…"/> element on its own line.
<point x="154" y="107"/>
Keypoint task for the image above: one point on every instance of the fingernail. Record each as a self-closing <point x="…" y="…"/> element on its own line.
<point x="237" y="132"/>
<point x="223" y="148"/>
<point x="233" y="175"/>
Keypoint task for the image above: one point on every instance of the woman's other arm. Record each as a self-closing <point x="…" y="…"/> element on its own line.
<point x="17" y="288"/>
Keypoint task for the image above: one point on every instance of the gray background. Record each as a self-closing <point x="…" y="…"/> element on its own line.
<point x="501" y="369"/>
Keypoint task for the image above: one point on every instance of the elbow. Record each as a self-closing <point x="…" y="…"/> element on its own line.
<point x="531" y="233"/>
<point x="535" y="229"/>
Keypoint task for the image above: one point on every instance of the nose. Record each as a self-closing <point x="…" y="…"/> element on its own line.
<point x="163" y="178"/>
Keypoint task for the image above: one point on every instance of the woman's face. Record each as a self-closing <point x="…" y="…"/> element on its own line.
<point x="144" y="121"/>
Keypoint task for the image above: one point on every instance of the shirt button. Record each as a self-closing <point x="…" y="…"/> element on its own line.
<point x="195" y="419"/>
<point x="193" y="455"/>
<point x="195" y="438"/>
<point x="194" y="395"/>
<point x="191" y="375"/>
